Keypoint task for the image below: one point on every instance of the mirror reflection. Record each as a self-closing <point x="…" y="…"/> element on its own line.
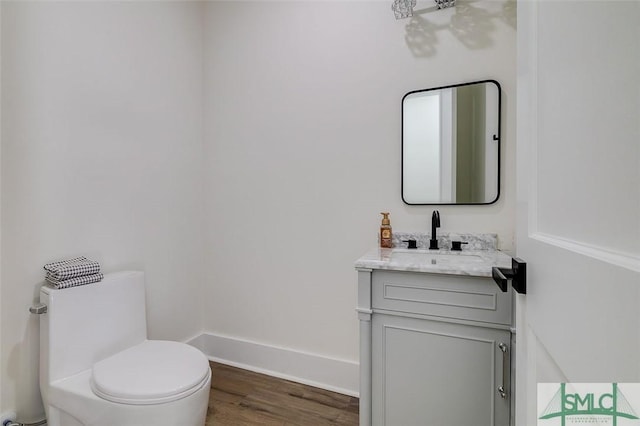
<point x="451" y="144"/>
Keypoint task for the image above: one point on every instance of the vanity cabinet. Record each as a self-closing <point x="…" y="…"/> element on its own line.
<point x="435" y="349"/>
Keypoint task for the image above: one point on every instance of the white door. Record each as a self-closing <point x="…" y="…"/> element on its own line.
<point x="578" y="195"/>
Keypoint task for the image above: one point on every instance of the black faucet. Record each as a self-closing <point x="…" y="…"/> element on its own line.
<point x="435" y="223"/>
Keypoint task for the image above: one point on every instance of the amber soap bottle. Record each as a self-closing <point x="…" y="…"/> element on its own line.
<point x="385" y="231"/>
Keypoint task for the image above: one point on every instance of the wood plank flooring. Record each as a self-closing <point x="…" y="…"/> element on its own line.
<point x="240" y="397"/>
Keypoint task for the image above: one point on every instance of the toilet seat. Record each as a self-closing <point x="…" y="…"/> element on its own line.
<point x="152" y="372"/>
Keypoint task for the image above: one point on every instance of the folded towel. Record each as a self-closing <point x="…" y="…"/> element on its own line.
<point x="71" y="268"/>
<point x="75" y="281"/>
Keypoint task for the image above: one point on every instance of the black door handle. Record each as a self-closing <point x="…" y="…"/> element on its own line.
<point x="517" y="274"/>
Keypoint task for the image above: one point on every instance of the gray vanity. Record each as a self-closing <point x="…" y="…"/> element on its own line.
<point x="435" y="336"/>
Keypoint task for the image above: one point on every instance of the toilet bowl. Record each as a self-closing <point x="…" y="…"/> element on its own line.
<point x="98" y="368"/>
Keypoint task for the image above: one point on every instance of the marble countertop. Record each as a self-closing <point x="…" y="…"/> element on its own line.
<point x="476" y="263"/>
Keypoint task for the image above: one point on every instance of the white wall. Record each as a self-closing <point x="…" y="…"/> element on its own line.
<point x="101" y="156"/>
<point x="302" y="138"/>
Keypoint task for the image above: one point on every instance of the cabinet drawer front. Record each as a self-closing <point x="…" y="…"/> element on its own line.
<point x="469" y="298"/>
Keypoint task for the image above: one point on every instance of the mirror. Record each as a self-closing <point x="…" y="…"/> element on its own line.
<point x="451" y="144"/>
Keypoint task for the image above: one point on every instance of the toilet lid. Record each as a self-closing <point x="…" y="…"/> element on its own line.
<point x="152" y="372"/>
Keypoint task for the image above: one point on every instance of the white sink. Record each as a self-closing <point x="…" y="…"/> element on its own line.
<point x="429" y="257"/>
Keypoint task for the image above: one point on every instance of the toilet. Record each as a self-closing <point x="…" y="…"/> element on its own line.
<point x="98" y="368"/>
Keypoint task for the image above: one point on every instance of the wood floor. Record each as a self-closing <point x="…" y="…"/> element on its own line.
<point x="240" y="397"/>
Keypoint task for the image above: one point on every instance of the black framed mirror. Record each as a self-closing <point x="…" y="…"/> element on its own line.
<point x="451" y="144"/>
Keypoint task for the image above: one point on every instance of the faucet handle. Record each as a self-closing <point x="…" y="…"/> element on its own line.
<point x="457" y="245"/>
<point x="411" y="244"/>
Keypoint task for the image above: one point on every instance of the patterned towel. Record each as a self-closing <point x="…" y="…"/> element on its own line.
<point x="71" y="268"/>
<point x="76" y="281"/>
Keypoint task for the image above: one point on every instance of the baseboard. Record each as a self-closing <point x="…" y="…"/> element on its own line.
<point x="310" y="369"/>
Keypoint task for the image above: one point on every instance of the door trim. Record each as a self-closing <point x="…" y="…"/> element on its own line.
<point x="616" y="258"/>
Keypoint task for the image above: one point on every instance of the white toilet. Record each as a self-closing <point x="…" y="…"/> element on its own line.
<point x="98" y="368"/>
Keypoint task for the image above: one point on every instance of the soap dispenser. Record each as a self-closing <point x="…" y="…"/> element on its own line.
<point x="385" y="232"/>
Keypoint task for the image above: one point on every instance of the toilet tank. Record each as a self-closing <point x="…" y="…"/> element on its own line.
<point x="87" y="323"/>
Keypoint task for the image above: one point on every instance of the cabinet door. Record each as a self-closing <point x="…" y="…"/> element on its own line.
<point x="431" y="373"/>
